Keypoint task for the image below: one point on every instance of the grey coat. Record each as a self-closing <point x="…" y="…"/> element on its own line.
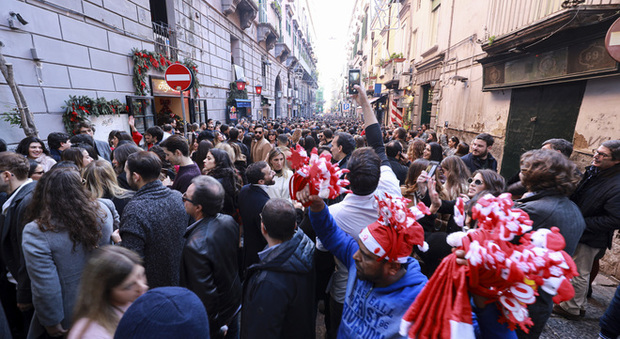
<point x="55" y="271"/>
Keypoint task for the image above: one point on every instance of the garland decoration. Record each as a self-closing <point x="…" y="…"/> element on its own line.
<point x="144" y="60"/>
<point x="79" y="108"/>
<point x="322" y="177"/>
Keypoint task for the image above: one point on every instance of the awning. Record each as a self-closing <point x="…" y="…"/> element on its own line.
<point x="377" y="98"/>
<point x="243" y="103"/>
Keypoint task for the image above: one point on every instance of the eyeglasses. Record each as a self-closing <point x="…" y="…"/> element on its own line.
<point x="596" y="152"/>
<point x="476" y="182"/>
<point x="186" y="199"/>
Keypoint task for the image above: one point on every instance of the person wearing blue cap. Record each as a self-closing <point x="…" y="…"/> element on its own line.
<point x="165" y="312"/>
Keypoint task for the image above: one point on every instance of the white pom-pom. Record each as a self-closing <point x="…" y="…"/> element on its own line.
<point x="423" y="247"/>
<point x="456" y="239"/>
<point x="404" y="327"/>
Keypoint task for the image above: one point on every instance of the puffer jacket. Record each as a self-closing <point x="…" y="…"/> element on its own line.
<point x="209" y="267"/>
<point x="279" y="292"/>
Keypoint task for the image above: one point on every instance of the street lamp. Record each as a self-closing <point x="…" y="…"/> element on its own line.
<point x="240" y="84"/>
<point x="259" y="89"/>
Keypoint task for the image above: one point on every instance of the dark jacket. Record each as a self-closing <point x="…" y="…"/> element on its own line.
<point x="153" y="224"/>
<point x="279" y="293"/>
<point x="399" y="169"/>
<point x="103" y="150"/>
<point x="548" y="208"/>
<point x="598" y="198"/>
<point x="209" y="267"/>
<point x="251" y="201"/>
<point x="12" y="225"/>
<point x="475" y="163"/>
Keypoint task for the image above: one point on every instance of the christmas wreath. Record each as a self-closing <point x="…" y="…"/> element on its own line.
<point x="144" y="60"/>
<point x="79" y="109"/>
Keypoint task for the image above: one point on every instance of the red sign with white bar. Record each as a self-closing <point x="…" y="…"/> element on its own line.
<point x="179" y="77"/>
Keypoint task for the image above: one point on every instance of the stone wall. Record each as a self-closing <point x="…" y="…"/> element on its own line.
<point x="610" y="264"/>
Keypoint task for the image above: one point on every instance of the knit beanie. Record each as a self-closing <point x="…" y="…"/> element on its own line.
<point x="165" y="312"/>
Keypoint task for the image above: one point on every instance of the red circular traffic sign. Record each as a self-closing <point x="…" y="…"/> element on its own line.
<point x="177" y="76"/>
<point x="612" y="40"/>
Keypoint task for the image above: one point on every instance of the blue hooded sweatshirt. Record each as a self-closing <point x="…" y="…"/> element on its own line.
<point x="368" y="311"/>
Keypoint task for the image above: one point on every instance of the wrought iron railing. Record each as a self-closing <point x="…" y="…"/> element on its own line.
<point x="165" y="40"/>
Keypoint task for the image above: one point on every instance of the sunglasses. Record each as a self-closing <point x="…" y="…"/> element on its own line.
<point x="186" y="199"/>
<point x="476" y="182"/>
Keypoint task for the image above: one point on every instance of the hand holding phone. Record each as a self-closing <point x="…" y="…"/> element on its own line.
<point x="354" y="79"/>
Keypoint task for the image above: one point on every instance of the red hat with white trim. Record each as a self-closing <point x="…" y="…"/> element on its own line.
<point x="394" y="234"/>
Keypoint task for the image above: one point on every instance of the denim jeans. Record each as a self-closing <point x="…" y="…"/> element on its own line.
<point x="610" y="321"/>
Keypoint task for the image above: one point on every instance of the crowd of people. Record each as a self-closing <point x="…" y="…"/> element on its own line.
<point x="199" y="235"/>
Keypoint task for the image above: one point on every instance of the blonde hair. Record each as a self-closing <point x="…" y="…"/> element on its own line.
<point x="224" y="146"/>
<point x="100" y="180"/>
<point x="296" y="135"/>
<point x="108" y="267"/>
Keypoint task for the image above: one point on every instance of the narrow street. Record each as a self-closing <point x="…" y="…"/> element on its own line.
<point x="561" y="328"/>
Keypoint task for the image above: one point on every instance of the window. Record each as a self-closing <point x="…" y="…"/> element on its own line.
<point x="288" y="26"/>
<point x="141" y="107"/>
<point x="435" y="9"/>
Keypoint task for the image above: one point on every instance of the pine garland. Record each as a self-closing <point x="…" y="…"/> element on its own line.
<point x="79" y="109"/>
<point x="144" y="60"/>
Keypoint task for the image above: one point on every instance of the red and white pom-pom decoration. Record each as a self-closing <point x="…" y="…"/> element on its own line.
<point x="318" y="172"/>
<point x="505" y="273"/>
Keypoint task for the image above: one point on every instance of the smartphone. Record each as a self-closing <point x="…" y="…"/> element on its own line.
<point x="432" y="168"/>
<point x="354" y="79"/>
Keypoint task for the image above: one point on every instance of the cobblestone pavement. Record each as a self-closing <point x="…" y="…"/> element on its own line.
<point x="557" y="326"/>
<point x="586" y="328"/>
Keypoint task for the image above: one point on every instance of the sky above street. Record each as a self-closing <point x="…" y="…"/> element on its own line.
<point x="331" y="21"/>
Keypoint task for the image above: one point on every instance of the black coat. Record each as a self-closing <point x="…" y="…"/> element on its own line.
<point x="209" y="267"/>
<point x="598" y="198"/>
<point x="399" y="169"/>
<point x="278" y="299"/>
<point x="251" y="201"/>
<point x="12" y="225"/>
<point x="475" y="163"/>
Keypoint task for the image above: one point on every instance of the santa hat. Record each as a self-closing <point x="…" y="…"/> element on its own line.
<point x="549" y="238"/>
<point x="394" y="234"/>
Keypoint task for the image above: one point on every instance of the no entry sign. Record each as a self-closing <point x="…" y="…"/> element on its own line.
<point x="177" y="76"/>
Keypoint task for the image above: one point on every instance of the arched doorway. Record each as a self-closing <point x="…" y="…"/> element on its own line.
<point x="278" y="95"/>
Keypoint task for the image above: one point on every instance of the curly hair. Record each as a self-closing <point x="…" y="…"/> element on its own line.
<point x="60" y="202"/>
<point x="548" y="170"/>
<point x="416" y="149"/>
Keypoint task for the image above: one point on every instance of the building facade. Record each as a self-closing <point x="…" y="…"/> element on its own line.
<point x="88" y="48"/>
<point x="521" y="70"/>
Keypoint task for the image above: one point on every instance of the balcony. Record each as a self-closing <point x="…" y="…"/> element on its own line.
<point x="266" y="29"/>
<point x="506" y="16"/>
<point x="282" y="51"/>
<point x="245" y="9"/>
<point x="165" y="40"/>
<point x="391" y="77"/>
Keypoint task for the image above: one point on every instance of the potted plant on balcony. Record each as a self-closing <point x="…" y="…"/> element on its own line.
<point x="384" y="62"/>
<point x="397" y="57"/>
<point x="277" y="8"/>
